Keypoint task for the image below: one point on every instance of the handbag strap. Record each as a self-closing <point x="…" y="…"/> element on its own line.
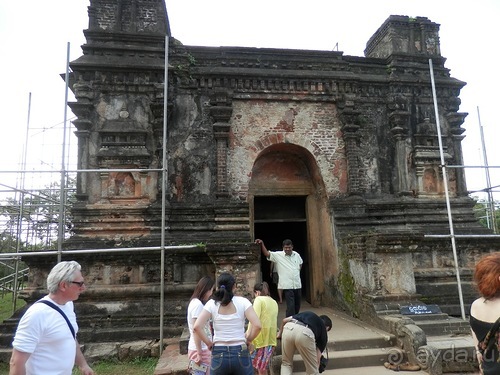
<point x="325" y="352"/>
<point x="48" y="303"/>
<point x="488" y="342"/>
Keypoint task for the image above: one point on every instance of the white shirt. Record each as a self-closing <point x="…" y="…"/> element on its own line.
<point x="229" y="328"/>
<point x="44" y="333"/>
<point x="195" y="307"/>
<point x="288" y="268"/>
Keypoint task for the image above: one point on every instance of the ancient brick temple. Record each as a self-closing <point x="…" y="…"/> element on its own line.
<point x="339" y="153"/>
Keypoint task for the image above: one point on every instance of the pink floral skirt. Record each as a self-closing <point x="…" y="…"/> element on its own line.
<point x="262" y="357"/>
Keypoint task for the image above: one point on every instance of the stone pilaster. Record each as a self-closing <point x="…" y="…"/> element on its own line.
<point x="399" y="130"/>
<point x="83" y="125"/>
<point x="351" y="138"/>
<point x="221" y="113"/>
<point x="157" y="125"/>
<point x="455" y="120"/>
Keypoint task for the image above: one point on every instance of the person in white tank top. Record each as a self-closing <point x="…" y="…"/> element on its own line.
<point x="230" y="354"/>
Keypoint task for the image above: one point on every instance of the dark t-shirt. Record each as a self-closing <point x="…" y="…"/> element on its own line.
<point x="481" y="329"/>
<point x="315" y="323"/>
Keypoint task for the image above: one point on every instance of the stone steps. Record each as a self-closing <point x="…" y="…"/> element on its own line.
<point x="352" y="344"/>
<point x="441" y="327"/>
<point x="449" y="342"/>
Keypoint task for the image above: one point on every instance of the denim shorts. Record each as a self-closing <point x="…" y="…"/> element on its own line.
<point x="233" y="359"/>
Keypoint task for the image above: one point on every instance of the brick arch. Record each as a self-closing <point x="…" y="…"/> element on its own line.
<point x="329" y="163"/>
<point x="278" y="138"/>
<point x="285" y="168"/>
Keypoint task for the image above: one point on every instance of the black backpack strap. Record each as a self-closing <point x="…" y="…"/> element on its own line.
<point x="48" y="303"/>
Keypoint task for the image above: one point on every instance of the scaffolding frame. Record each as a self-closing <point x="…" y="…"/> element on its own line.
<point x="17" y="255"/>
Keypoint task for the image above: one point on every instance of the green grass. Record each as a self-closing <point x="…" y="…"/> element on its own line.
<point x="6" y="306"/>
<point x="6" y="312"/>
<point x="145" y="366"/>
<point x="139" y="366"/>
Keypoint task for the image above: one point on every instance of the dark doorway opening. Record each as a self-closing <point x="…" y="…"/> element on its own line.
<point x="275" y="219"/>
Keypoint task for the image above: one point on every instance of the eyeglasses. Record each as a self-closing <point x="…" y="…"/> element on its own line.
<point x="79" y="283"/>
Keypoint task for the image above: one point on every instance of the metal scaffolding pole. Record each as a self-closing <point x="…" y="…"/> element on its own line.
<point x="491" y="202"/>
<point x="21" y="209"/>
<point x="163" y="193"/>
<point x="96" y="251"/>
<point x="62" y="198"/>
<point x="447" y="195"/>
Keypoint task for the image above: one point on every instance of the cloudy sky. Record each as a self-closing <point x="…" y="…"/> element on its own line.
<point x="34" y="47"/>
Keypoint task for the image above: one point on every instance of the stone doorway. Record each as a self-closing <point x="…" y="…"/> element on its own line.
<point x="287" y="200"/>
<point x="277" y="218"/>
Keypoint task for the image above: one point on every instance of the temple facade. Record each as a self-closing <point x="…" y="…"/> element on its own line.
<point x="338" y="153"/>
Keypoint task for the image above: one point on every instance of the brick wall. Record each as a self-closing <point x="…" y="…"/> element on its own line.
<point x="256" y="125"/>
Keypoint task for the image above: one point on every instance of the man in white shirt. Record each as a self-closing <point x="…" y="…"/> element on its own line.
<point x="45" y="341"/>
<point x="288" y="264"/>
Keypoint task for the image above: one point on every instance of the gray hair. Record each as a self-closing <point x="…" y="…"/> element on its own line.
<point x="62" y="272"/>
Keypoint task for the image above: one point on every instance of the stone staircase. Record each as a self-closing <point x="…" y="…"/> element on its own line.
<point x="354" y="347"/>
<point x="364" y="354"/>
<point x="440" y="343"/>
<point x="450" y="340"/>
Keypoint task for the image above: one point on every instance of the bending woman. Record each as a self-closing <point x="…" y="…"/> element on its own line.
<point x="198" y="350"/>
<point x="230" y="353"/>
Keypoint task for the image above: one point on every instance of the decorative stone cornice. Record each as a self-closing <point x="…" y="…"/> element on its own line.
<point x="221" y="114"/>
<point x="455" y="120"/>
<point x="399" y="120"/>
<point x="82" y="111"/>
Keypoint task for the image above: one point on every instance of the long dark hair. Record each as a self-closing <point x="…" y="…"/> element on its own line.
<point x="205" y="284"/>
<point x="224" y="292"/>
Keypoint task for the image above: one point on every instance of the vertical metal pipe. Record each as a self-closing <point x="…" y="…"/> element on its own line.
<point x="62" y="198"/>
<point x="445" y="180"/>
<point x="21" y="209"/>
<point x="163" y="193"/>
<point x="491" y="202"/>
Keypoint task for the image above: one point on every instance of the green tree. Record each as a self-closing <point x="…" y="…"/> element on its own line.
<point x="482" y="210"/>
<point x="31" y="219"/>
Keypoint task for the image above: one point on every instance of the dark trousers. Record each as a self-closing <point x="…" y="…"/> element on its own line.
<point x="292" y="298"/>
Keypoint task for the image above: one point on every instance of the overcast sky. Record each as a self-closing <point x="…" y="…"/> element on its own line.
<point x="34" y="38"/>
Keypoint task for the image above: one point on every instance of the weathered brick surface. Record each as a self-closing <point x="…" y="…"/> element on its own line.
<point x="313" y="126"/>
